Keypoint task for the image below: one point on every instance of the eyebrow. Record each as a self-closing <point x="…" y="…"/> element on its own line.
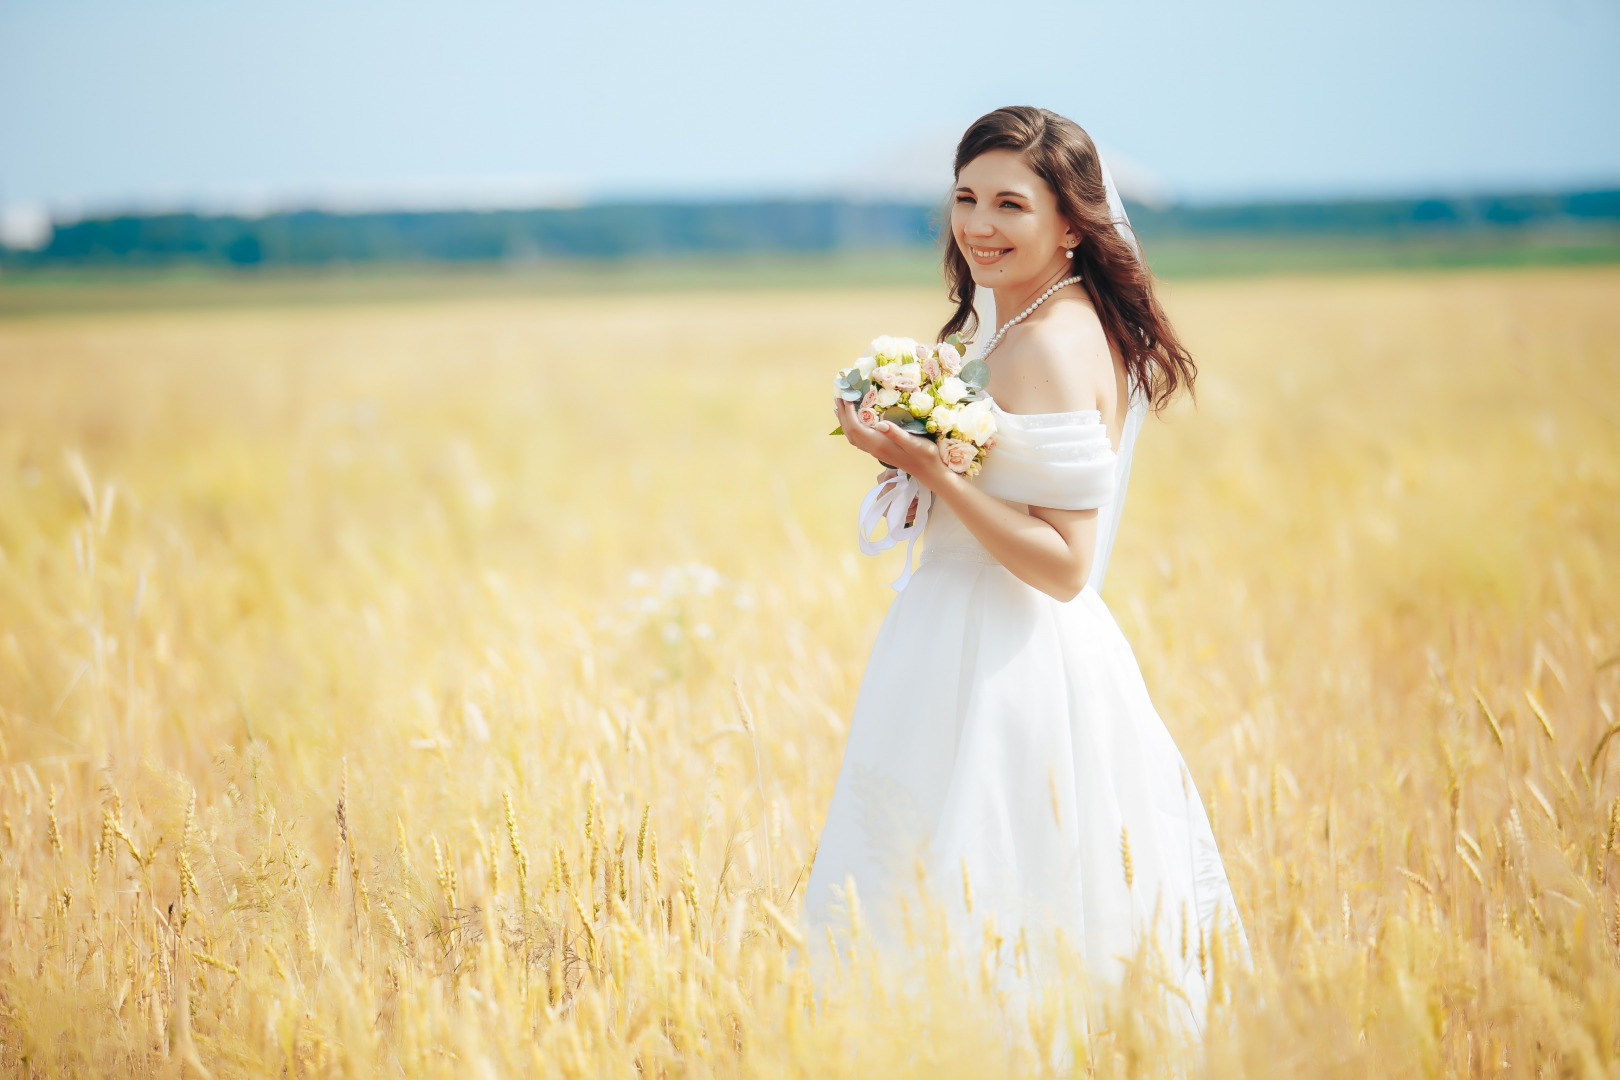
<point x="999" y="194"/>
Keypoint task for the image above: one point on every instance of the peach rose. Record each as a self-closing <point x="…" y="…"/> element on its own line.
<point x="866" y="413"/>
<point x="949" y="359"/>
<point x="906" y="377"/>
<point x="930" y="368"/>
<point x="957" y="454"/>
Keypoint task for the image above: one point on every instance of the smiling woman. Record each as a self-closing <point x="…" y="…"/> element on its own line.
<point x="1031" y="197"/>
<point x="1004" y="753"/>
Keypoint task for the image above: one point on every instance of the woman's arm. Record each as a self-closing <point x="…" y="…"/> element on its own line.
<point x="1050" y="550"/>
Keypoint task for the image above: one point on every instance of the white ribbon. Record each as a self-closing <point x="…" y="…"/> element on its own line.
<point x="888" y="502"/>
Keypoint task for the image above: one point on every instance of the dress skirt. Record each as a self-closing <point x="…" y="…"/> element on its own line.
<point x="1004" y="752"/>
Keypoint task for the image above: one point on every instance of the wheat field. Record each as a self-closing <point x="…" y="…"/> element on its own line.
<point x="456" y="688"/>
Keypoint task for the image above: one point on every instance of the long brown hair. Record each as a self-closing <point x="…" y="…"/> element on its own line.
<point x="1112" y="273"/>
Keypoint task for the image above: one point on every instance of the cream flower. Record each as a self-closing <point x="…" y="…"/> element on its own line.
<point x="952" y="389"/>
<point x="893" y="349"/>
<point x="865" y="365"/>
<point x="944" y="416"/>
<point x="957" y="455"/>
<point x="887" y="397"/>
<point x="975" y="422"/>
<point x="921" y="403"/>
<point x="949" y="359"/>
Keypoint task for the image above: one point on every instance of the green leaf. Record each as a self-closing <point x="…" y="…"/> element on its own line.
<point x="897" y="414"/>
<point x="955" y="342"/>
<point x="976" y="373"/>
<point x="915" y="426"/>
<point x="839" y="430"/>
<point x="857" y="388"/>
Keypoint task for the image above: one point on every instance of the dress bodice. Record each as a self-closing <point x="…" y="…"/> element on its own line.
<point x="1061" y="460"/>
<point x="1057" y="459"/>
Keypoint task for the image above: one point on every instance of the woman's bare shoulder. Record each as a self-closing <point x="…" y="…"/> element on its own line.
<point x="1061" y="363"/>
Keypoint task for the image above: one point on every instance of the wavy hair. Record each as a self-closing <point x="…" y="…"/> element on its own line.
<point x="1112" y="273"/>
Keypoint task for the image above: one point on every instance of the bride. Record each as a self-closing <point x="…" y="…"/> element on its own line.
<point x="1003" y="744"/>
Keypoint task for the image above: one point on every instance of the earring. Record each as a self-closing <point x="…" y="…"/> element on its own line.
<point x="1068" y="253"/>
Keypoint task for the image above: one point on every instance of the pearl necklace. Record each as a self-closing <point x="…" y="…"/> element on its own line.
<point x="1021" y="316"/>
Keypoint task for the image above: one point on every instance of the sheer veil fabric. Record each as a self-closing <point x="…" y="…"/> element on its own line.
<point x="1004" y="745"/>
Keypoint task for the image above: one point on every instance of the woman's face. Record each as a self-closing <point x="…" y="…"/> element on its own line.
<point x="1006" y="223"/>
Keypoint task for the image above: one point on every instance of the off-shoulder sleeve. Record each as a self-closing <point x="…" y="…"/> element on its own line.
<point x="1060" y="460"/>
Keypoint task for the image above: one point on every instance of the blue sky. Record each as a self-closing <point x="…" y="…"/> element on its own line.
<point x="242" y="104"/>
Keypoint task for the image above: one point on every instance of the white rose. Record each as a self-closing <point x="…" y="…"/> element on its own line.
<point x="952" y="389"/>
<point x="865" y="365"/>
<point x="893" y="348"/>
<point x="921" y="403"/>
<point x="886" y="397"/>
<point x="945" y="416"/>
<point x="976" y="423"/>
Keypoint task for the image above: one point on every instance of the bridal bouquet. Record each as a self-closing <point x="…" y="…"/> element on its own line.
<point x="926" y="390"/>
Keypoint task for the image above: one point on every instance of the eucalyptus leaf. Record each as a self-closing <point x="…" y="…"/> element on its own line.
<point x="976" y="373"/>
<point x="898" y="414"/>
<point x="915" y="426"/>
<point x="955" y="342"/>
<point x="852" y="395"/>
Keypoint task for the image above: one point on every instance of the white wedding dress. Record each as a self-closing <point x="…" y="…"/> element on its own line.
<point x="1008" y="736"/>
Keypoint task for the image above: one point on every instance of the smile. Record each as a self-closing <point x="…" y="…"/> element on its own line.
<point x="988" y="254"/>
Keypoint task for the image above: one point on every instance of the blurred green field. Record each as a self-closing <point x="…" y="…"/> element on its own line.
<point x="451" y="681"/>
<point x="1176" y="258"/>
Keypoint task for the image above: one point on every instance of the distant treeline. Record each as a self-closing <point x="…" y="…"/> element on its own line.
<point x="1386" y="216"/>
<point x="611" y="231"/>
<point x="605" y="231"/>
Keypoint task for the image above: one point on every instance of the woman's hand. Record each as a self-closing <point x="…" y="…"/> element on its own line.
<point x="1039" y="547"/>
<point x="892" y="446"/>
